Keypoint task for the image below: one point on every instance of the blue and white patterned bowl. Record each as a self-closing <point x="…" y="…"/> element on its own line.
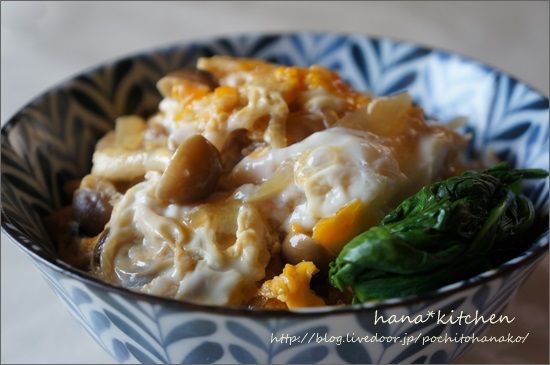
<point x="51" y="140"/>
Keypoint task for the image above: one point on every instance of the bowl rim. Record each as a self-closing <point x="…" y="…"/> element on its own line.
<point x="531" y="255"/>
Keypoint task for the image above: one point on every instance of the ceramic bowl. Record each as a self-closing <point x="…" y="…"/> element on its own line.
<point x="51" y="140"/>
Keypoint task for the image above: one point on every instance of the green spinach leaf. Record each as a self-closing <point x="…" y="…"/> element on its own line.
<point x="445" y="232"/>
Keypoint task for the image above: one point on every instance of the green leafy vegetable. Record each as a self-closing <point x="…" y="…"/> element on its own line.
<point x="445" y="232"/>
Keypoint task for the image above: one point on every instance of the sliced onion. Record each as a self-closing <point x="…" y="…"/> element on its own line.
<point x="129" y="131"/>
<point x="383" y="116"/>
<point x="281" y="179"/>
<point x="117" y="164"/>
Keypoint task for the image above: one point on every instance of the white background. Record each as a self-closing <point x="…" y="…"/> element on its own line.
<point x="43" y="43"/>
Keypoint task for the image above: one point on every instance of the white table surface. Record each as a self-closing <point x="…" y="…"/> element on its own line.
<point x="43" y="43"/>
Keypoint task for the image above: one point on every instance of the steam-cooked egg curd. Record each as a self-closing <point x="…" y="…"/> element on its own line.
<point x="339" y="182"/>
<point x="213" y="253"/>
<point x="249" y="179"/>
<point x="316" y="177"/>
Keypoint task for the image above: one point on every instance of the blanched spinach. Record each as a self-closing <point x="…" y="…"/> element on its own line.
<point x="445" y="232"/>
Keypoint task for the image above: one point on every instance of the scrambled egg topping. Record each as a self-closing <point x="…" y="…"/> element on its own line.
<point x="259" y="97"/>
<point x="300" y="153"/>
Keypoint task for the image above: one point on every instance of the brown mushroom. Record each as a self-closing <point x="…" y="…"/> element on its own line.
<point x="192" y="173"/>
<point x="196" y="75"/>
<point x="298" y="247"/>
<point x="300" y="125"/>
<point x="232" y="150"/>
<point x="98" y="248"/>
<point x="92" y="210"/>
<point x="193" y="75"/>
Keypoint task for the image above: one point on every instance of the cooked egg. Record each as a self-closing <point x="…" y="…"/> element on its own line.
<point x="301" y="154"/>
<point x="292" y="286"/>
<point x="327" y="170"/>
<point x="212" y="253"/>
